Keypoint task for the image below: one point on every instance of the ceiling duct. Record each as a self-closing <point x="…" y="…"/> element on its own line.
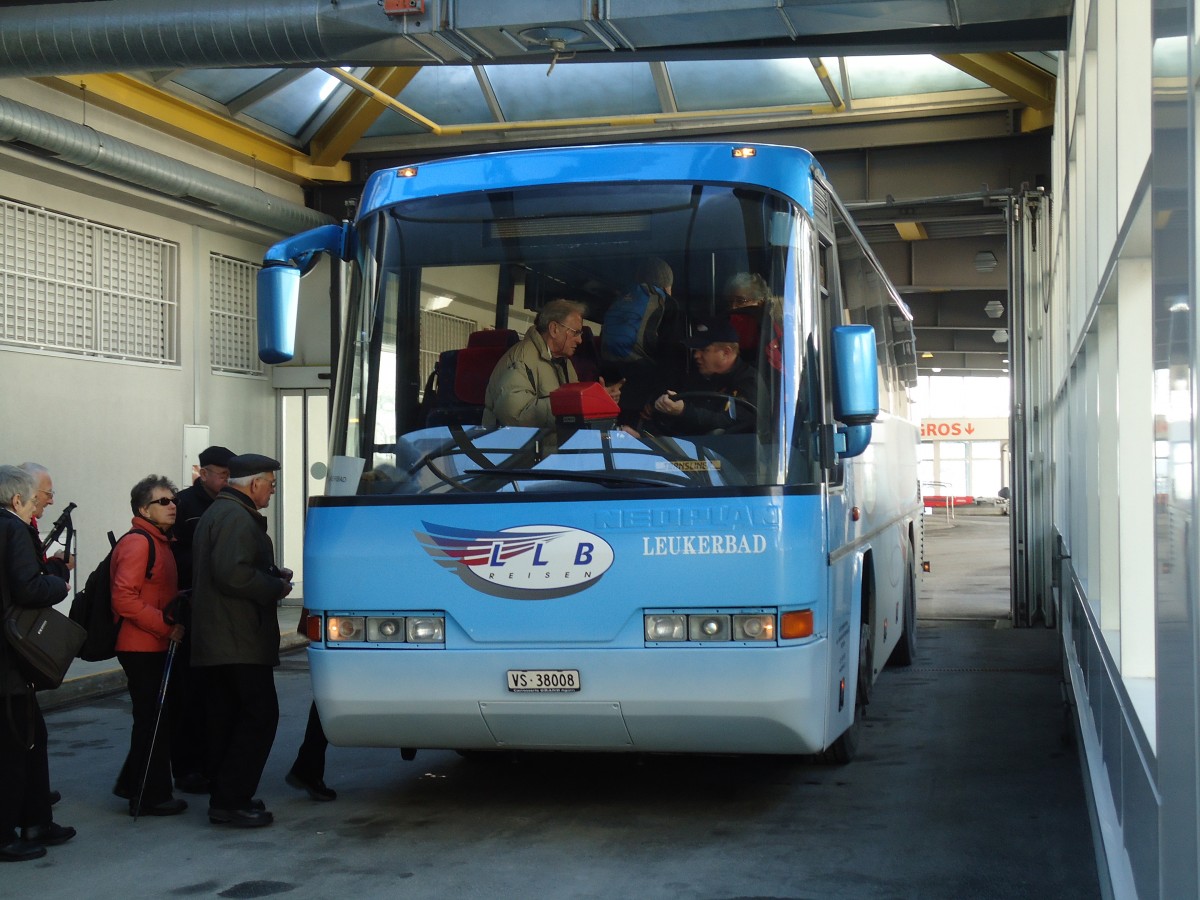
<point x="87" y="148"/>
<point x="123" y="35"/>
<point x="119" y="35"/>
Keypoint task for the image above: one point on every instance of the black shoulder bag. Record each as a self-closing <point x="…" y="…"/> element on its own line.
<point x="45" y="641"/>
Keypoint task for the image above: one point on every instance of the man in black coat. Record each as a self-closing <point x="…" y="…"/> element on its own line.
<point x="191" y="504"/>
<point x="724" y="387"/>
<point x="24" y="765"/>
<point x="235" y="637"/>
<point x="187" y="710"/>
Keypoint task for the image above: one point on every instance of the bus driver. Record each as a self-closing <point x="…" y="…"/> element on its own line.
<point x="720" y="376"/>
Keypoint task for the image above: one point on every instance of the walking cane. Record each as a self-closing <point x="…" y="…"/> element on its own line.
<point x="162" y="697"/>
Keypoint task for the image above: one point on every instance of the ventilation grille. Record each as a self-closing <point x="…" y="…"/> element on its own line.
<point x="232" y="317"/>
<point x="440" y="331"/>
<point x="73" y="286"/>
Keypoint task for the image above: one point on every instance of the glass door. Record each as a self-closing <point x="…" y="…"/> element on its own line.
<point x="303" y="430"/>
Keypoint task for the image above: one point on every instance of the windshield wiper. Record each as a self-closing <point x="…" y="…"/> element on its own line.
<point x="616" y="479"/>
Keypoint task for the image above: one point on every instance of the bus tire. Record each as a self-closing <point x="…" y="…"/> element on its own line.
<point x="906" y="648"/>
<point x="845" y="748"/>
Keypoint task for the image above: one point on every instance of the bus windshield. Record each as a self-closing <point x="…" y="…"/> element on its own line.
<point x="691" y="291"/>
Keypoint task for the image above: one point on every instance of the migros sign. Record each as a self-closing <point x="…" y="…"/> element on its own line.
<point x="964" y="429"/>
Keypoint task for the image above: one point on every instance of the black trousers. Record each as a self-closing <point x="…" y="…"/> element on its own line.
<point x="24" y="772"/>
<point x="243" y="714"/>
<point x="144" y="672"/>
<point x="189" y="715"/>
<point x="310" y="760"/>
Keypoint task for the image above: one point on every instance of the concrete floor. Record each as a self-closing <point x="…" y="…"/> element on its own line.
<point x="967" y="786"/>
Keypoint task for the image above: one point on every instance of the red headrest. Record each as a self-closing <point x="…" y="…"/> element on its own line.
<point x="494" y="337"/>
<point x="475" y="365"/>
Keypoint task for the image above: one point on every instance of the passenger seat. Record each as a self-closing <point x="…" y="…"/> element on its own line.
<point x="460" y="378"/>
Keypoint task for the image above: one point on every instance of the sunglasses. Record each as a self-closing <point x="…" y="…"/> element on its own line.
<point x="163" y="501"/>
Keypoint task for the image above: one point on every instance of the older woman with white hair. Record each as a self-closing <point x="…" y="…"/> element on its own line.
<point x="24" y="765"/>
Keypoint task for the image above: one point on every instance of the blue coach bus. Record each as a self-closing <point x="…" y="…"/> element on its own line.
<point x="596" y="584"/>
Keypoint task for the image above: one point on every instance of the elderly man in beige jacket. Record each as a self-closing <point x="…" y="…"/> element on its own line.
<point x="518" y="392"/>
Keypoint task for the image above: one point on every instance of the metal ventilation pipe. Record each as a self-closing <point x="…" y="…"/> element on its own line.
<point x="85" y="147"/>
<point x="119" y="35"/>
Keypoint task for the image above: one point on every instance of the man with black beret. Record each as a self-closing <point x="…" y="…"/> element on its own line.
<point x="193" y="501"/>
<point x="720" y="394"/>
<point x="187" y="712"/>
<point x="235" y="637"/>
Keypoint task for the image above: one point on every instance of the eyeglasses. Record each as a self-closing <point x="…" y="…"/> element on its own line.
<point x="162" y="501"/>
<point x="578" y="332"/>
<point x="49" y="494"/>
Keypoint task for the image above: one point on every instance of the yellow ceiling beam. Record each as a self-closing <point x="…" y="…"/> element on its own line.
<point x="141" y="102"/>
<point x="1009" y="74"/>
<point x="1036" y="119"/>
<point x="359" y="111"/>
<point x="912" y="231"/>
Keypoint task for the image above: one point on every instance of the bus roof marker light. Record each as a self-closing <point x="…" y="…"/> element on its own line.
<point x="796" y="624"/>
<point x="406" y="172"/>
<point x="744" y="152"/>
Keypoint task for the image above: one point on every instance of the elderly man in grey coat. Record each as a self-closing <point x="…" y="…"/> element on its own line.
<point x="235" y="637"/>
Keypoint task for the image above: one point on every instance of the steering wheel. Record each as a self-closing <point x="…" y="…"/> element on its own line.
<point x="739" y="426"/>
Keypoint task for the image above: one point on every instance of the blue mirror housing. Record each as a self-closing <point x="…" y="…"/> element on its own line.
<point x="279" y="285"/>
<point x="855" y="375"/>
<point x="302" y="249"/>
<point x="278" y="303"/>
<point x="853" y="440"/>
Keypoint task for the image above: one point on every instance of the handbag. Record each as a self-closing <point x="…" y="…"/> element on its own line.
<point x="45" y="642"/>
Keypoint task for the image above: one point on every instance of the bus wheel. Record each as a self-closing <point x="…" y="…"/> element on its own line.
<point x="906" y="650"/>
<point x="845" y="747"/>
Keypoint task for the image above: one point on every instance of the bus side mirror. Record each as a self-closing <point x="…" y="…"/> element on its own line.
<point x="855" y="386"/>
<point x="278" y="302"/>
<point x="279" y="285"/>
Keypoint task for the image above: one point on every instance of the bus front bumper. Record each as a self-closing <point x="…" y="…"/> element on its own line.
<point x="660" y="699"/>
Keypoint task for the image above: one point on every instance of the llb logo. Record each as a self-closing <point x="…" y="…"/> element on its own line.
<point x="526" y="562"/>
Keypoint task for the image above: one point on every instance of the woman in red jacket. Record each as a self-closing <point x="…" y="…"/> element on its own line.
<point x="142" y="642"/>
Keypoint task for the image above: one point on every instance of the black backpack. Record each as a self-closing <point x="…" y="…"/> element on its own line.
<point x="92" y="606"/>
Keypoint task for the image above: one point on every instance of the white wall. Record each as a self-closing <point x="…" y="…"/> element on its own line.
<point x="1122" y="199"/>
<point x="101" y="425"/>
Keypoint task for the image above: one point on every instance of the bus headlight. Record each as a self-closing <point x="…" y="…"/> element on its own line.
<point x="758" y="627"/>
<point x="345" y="628"/>
<point x="390" y="629"/>
<point x="666" y="627"/>
<point x="708" y="627"/>
<point x="426" y="629"/>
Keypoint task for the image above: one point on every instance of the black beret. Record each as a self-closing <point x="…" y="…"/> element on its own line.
<point x="713" y="331"/>
<point x="251" y="464"/>
<point x="216" y="456"/>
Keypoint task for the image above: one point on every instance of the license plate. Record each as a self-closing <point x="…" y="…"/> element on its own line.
<point x="543" y="681"/>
